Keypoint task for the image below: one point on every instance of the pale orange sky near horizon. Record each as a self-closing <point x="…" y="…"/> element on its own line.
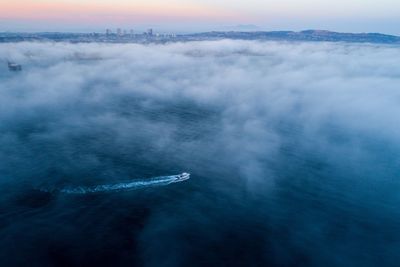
<point x="81" y="10"/>
<point x="368" y="14"/>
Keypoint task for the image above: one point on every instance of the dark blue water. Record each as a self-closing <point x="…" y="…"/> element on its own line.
<point x="270" y="185"/>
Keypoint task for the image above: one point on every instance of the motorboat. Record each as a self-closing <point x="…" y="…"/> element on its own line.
<point x="182" y="177"/>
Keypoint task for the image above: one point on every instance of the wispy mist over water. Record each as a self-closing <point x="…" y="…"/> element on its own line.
<point x="293" y="150"/>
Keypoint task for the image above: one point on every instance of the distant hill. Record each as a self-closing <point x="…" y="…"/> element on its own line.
<point x="308" y="35"/>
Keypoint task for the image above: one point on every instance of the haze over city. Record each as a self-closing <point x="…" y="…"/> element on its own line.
<point x="201" y="15"/>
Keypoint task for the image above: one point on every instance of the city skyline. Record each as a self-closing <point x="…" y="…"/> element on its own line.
<point x="196" y="15"/>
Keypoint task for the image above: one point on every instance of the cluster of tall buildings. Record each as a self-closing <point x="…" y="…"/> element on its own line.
<point x="123" y="32"/>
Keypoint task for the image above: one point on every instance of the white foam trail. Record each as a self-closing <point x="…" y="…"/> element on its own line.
<point x="135" y="184"/>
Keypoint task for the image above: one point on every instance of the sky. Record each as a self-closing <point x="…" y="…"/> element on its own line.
<point x="200" y="15"/>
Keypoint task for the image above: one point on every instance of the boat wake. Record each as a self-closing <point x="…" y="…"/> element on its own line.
<point x="134" y="184"/>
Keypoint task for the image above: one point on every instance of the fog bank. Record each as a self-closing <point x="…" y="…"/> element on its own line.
<point x="293" y="150"/>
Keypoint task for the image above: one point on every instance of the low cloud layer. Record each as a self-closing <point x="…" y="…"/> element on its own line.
<point x="293" y="150"/>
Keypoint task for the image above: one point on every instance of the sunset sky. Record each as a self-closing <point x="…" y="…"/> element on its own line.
<point x="196" y="15"/>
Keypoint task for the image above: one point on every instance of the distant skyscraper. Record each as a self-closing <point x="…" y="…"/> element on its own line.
<point x="119" y="32"/>
<point x="131" y="32"/>
<point x="150" y="32"/>
<point x="108" y="32"/>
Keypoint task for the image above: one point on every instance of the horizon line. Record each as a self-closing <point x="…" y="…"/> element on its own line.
<point x="196" y="32"/>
